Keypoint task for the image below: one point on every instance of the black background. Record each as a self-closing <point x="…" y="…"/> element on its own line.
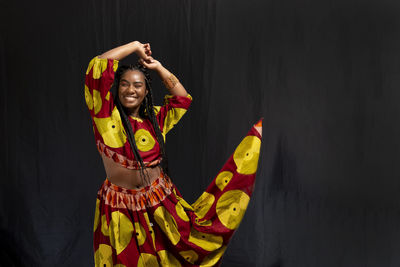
<point x="324" y="74"/>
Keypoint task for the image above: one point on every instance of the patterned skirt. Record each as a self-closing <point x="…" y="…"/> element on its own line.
<point x="155" y="226"/>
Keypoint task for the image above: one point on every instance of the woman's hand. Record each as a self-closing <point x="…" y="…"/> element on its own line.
<point x="174" y="86"/>
<point x="143" y="50"/>
<point x="150" y="63"/>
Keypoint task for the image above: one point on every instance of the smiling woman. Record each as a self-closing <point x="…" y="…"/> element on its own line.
<point x="132" y="90"/>
<point x="140" y="218"/>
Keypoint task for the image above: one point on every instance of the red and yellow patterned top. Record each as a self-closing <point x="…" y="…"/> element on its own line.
<point x="109" y="133"/>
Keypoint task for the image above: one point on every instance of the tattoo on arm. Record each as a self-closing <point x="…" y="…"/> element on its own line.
<point x="170" y="82"/>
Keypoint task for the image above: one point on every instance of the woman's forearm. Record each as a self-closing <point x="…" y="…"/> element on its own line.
<point x="122" y="51"/>
<point x="171" y="82"/>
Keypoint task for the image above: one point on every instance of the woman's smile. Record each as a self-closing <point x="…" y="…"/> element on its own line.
<point x="132" y="91"/>
<point x="131" y="97"/>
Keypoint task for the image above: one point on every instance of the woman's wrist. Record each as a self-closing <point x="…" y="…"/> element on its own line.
<point x="161" y="70"/>
<point x="134" y="45"/>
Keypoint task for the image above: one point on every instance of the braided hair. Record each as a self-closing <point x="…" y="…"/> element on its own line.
<point x="146" y="110"/>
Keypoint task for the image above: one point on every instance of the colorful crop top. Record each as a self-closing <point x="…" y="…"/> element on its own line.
<point x="109" y="133"/>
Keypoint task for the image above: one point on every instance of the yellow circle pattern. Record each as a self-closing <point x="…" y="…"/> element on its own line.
<point x="203" y="204"/>
<point x="88" y="98"/>
<point x="181" y="212"/>
<point x="120" y="231"/>
<point x="97" y="103"/>
<point x="111" y="129"/>
<point x="104" y="226"/>
<point x="223" y="179"/>
<point x="203" y="222"/>
<point x="206" y="241"/>
<point x="146" y="260"/>
<point x="246" y="155"/>
<point x="144" y="140"/>
<point x="167" y="224"/>
<point x="183" y="202"/>
<point x="231" y="207"/>
<point x="189" y="255"/>
<point x="167" y="259"/>
<point x="103" y="256"/>
<point x="140" y="233"/>
<point x="96" y="215"/>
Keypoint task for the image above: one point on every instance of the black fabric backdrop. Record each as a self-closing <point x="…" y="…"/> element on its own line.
<point x="324" y="74"/>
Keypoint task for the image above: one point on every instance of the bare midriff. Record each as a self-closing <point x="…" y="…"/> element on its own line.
<point x="127" y="178"/>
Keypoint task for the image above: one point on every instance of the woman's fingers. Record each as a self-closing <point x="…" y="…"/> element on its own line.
<point x="147" y="49"/>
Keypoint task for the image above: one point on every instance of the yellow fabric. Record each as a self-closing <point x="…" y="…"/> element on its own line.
<point x="167" y="259"/>
<point x="121" y="231"/>
<point x="144" y="140"/>
<point x="203" y="204"/>
<point x="156" y="109"/>
<point x="97" y="103"/>
<point x="104" y="226"/>
<point x="168" y="224"/>
<point x="206" y="241"/>
<point x="203" y="222"/>
<point x="147" y="260"/>
<point x="153" y="237"/>
<point x="110" y="129"/>
<point x="223" y="179"/>
<point x="231" y="207"/>
<point x="140" y="233"/>
<point x="88" y="98"/>
<point x="103" y="256"/>
<point x="136" y="119"/>
<point x="211" y="259"/>
<point x="172" y="118"/>
<point x="189" y="255"/>
<point x="183" y="202"/>
<point x="96" y="215"/>
<point x="246" y="155"/>
<point x="99" y="65"/>
<point x="181" y="212"/>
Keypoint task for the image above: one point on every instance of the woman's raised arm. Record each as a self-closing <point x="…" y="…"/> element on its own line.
<point x="120" y="52"/>
<point x="170" y="81"/>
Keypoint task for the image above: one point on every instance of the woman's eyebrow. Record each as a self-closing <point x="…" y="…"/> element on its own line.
<point x="123" y="80"/>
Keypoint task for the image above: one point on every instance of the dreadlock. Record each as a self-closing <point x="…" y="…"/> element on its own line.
<point x="146" y="110"/>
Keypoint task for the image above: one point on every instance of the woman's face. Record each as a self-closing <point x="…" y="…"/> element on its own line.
<point x="132" y="90"/>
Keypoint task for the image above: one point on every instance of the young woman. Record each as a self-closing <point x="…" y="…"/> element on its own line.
<point x="140" y="217"/>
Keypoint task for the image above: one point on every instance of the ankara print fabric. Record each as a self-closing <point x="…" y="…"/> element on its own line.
<point x="110" y="135"/>
<point x="155" y="226"/>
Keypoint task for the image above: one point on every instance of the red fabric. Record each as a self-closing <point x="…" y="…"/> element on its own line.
<point x="156" y="227"/>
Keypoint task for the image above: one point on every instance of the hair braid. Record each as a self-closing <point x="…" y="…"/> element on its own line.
<point x="156" y="126"/>
<point x="146" y="110"/>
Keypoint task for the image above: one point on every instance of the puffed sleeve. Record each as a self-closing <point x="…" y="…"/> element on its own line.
<point x="172" y="111"/>
<point x="98" y="81"/>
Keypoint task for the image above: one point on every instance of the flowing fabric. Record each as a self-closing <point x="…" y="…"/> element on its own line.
<point x="155" y="226"/>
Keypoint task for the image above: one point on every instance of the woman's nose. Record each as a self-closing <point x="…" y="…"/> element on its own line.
<point x="132" y="88"/>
